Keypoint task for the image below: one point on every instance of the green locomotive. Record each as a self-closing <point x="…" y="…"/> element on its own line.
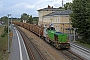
<point x="58" y="39"/>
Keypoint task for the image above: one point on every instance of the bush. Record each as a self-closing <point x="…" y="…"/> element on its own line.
<point x="6" y="29"/>
<point x="3" y="34"/>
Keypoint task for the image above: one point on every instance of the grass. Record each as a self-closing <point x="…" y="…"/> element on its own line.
<point x="83" y="44"/>
<point x="3" y="45"/>
<point x="1" y="29"/>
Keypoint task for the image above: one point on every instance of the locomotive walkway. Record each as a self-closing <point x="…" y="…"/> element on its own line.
<point x="18" y="50"/>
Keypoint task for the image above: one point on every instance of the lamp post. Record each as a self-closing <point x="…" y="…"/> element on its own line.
<point x="51" y="21"/>
<point x="11" y="23"/>
<point x="63" y="27"/>
<point x="8" y="34"/>
<point x="62" y="23"/>
<point x="74" y="33"/>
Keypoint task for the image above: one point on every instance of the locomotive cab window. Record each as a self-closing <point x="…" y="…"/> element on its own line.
<point x="51" y="28"/>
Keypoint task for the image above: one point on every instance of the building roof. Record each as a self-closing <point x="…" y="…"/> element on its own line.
<point x="64" y="12"/>
<point x="50" y="9"/>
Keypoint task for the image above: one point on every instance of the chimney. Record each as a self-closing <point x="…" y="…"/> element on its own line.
<point x="48" y="6"/>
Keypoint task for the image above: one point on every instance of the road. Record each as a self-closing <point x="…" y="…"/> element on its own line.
<point x="18" y="50"/>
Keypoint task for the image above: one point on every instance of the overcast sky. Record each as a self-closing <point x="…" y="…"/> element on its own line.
<point x="18" y="7"/>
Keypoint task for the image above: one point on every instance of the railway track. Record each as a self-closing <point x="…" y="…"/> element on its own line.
<point x="80" y="48"/>
<point x="33" y="52"/>
<point x="71" y="55"/>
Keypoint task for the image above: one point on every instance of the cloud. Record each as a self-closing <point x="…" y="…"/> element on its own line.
<point x="27" y="6"/>
<point x="1" y="9"/>
<point x="1" y="6"/>
<point x="22" y="5"/>
<point x="43" y="4"/>
<point x="55" y="3"/>
<point x="20" y="8"/>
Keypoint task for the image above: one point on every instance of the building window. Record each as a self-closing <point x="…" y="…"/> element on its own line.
<point x="58" y="27"/>
<point x="58" y="20"/>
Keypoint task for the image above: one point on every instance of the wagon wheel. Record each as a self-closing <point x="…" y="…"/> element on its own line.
<point x="47" y="40"/>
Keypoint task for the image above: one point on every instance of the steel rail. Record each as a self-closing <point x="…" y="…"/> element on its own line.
<point x="71" y="55"/>
<point x="31" y="51"/>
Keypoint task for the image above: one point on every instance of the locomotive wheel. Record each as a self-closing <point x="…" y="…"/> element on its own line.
<point x="45" y="39"/>
<point x="54" y="44"/>
<point x="57" y="46"/>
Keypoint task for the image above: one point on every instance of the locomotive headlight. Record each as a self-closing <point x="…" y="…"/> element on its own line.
<point x="68" y="41"/>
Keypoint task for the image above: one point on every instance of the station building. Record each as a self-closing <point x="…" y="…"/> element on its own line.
<point x="58" y="17"/>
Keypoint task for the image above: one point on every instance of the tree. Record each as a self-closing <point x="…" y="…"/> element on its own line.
<point x="24" y="16"/>
<point x="61" y="8"/>
<point x="30" y="20"/>
<point x="35" y="20"/>
<point x="81" y="19"/>
<point x="68" y="6"/>
<point x="4" y="19"/>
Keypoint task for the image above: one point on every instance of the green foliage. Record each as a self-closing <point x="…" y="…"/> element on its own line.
<point x="81" y="19"/>
<point x="24" y="16"/>
<point x="30" y="20"/>
<point x="68" y="6"/>
<point x="35" y="20"/>
<point x="27" y="18"/>
<point x="6" y="29"/>
<point x="16" y="19"/>
<point x="61" y="8"/>
<point x="5" y="32"/>
<point x="4" y="19"/>
<point x="3" y="45"/>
